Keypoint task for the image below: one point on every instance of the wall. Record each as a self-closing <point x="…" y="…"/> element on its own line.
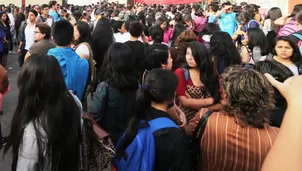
<point x="292" y="3"/>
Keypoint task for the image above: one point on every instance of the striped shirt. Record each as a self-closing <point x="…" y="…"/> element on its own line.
<point x="227" y="146"/>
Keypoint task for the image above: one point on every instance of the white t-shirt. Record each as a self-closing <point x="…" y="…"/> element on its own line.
<point x="121" y="38"/>
<point x="29" y="36"/>
<point x="294" y="69"/>
<point x="82" y="49"/>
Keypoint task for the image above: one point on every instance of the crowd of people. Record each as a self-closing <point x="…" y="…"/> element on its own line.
<point x="177" y="87"/>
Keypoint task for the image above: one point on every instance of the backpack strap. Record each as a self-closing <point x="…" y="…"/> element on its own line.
<point x="160" y="123"/>
<point x="299" y="36"/>
<point x="186" y="74"/>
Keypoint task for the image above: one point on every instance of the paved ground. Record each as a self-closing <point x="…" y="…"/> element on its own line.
<point x="9" y="105"/>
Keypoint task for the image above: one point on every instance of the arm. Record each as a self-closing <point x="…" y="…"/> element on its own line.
<point x="286" y="152"/>
<point x="195" y="103"/>
<point x="281" y="21"/>
<point x="245" y="54"/>
<point x="97" y="108"/>
<point x="27" y="55"/>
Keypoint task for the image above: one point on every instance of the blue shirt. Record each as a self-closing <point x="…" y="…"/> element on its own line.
<point x="74" y="68"/>
<point x="228" y="23"/>
<point x="54" y="14"/>
<point x="211" y="19"/>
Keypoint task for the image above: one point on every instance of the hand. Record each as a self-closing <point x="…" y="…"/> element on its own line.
<point x="209" y="101"/>
<point x="290" y="88"/>
<point x="183" y="119"/>
<point x="188" y="95"/>
<point x="19" y="52"/>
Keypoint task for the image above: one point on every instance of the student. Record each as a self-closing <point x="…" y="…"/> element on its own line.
<point x="47" y="121"/>
<point x="28" y="36"/>
<point x="45" y="17"/>
<point x="75" y="69"/>
<point x="163" y="146"/>
<point x="82" y="39"/>
<point x="43" y="44"/>
<point x="53" y="10"/>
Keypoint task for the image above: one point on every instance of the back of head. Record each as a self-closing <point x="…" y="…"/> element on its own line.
<point x="156" y="34"/>
<point x="299" y="18"/>
<point x="62" y="33"/>
<point x="116" y="25"/>
<point x="156" y="55"/>
<point x="296" y="10"/>
<point x="256" y="38"/>
<point x="250" y="96"/>
<point x="136" y="29"/>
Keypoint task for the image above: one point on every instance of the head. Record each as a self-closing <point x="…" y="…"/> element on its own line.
<point x="274" y="13"/>
<point x="4" y="17"/>
<point x="42" y="31"/>
<point x="52" y="5"/>
<point x="156" y="34"/>
<point x="198" y="57"/>
<point x="249" y="96"/>
<point x="299" y="20"/>
<point x="296" y="10"/>
<point x="161" y="23"/>
<point x="188" y="19"/>
<point x="228" y="10"/>
<point x="136" y="29"/>
<point x="158" y="56"/>
<point x="213" y="7"/>
<point x="178" y="29"/>
<point x="244" y="17"/>
<point x="119" y="67"/>
<point x="45" y="9"/>
<point x="210" y="29"/>
<point x="255" y="37"/>
<point x="285" y="47"/>
<point x="62" y="33"/>
<point x="42" y="90"/>
<point x="81" y="33"/>
<point x="278" y="71"/>
<point x="119" y="27"/>
<point x="222" y="47"/>
<point x="183" y="39"/>
<point x="37" y="8"/>
<point x="32" y="15"/>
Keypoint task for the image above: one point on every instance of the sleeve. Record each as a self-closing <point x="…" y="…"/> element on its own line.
<point x="181" y="87"/>
<point x="82" y="49"/>
<point x="97" y="109"/>
<point x="253" y="24"/>
<point x="33" y="49"/>
<point x="28" y="152"/>
<point x="211" y="18"/>
<point x="266" y="26"/>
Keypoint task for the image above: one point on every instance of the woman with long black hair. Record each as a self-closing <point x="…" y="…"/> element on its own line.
<point x="164" y="147"/>
<point x="102" y="38"/>
<point x="198" y="82"/>
<point x="82" y="39"/>
<point x="7" y="40"/>
<point x="46" y="126"/>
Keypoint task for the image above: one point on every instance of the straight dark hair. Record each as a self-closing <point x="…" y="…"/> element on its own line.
<point x="256" y="37"/>
<point x="84" y="30"/>
<point x="45" y="101"/>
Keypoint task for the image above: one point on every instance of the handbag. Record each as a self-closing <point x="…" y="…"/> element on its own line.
<point x="97" y="147"/>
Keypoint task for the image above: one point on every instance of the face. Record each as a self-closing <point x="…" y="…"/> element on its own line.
<point x="163" y="25"/>
<point x="123" y="29"/>
<point x="169" y="64"/>
<point x="283" y="49"/>
<point x="38" y="35"/>
<point x="31" y="17"/>
<point x="3" y="17"/>
<point x="190" y="59"/>
<point x="76" y="33"/>
<point x="45" y="11"/>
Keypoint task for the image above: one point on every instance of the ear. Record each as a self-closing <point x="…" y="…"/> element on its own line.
<point x="163" y="66"/>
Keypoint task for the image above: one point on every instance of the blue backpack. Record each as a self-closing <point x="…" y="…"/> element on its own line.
<point x="299" y="36"/>
<point x="140" y="154"/>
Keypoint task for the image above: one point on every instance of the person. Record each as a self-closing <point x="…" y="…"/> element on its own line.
<point x="28" y="36"/>
<point x="212" y="10"/>
<point x="255" y="46"/>
<point x="223" y="51"/>
<point x="82" y="40"/>
<point x="119" y="29"/>
<point x="43" y="44"/>
<point x="4" y="88"/>
<point x="6" y="40"/>
<point x="75" y="69"/>
<point x="272" y="15"/>
<point x="19" y="26"/>
<point x="152" y="99"/>
<point x="198" y="84"/>
<point x="281" y="73"/>
<point x="102" y="38"/>
<point x="45" y="17"/>
<point x="114" y="96"/>
<point x="277" y="158"/>
<point x="53" y="10"/>
<point x="239" y="136"/>
<point x="46" y="126"/>
<point x="287" y="53"/>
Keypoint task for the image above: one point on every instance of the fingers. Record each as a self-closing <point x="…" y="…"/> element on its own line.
<point x="274" y="82"/>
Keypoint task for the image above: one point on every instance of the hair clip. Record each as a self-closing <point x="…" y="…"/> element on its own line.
<point x="144" y="86"/>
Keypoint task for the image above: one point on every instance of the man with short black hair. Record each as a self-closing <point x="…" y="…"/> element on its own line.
<point x="53" y="10"/>
<point x="28" y="34"/>
<point x="45" y="17"/>
<point x="74" y="68"/>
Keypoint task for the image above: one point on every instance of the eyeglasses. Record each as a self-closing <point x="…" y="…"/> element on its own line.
<point x="36" y="32"/>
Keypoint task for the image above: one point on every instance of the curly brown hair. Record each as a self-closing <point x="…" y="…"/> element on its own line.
<point x="184" y="39"/>
<point x="250" y="96"/>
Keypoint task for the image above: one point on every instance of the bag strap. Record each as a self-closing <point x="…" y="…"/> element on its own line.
<point x="99" y="132"/>
<point x="186" y="74"/>
<point x="202" y="125"/>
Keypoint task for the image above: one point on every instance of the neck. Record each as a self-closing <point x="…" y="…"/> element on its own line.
<point x="45" y="15"/>
<point x="133" y="38"/>
<point x="160" y="106"/>
<point x="32" y="22"/>
<point x="282" y="60"/>
<point x="68" y="46"/>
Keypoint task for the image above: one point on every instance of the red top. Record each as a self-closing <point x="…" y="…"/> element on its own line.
<point x="182" y="85"/>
